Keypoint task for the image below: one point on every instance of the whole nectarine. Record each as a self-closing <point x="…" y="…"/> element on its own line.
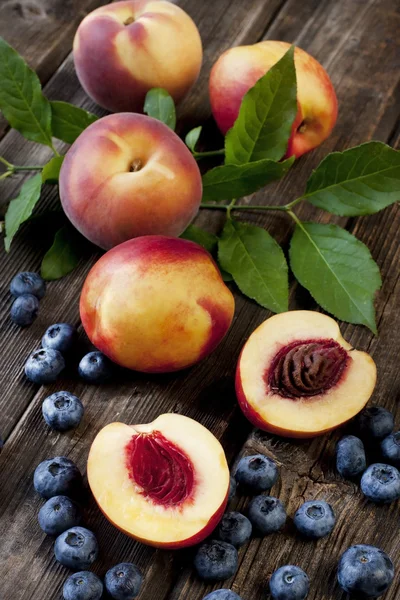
<point x="165" y="484"/>
<point x="238" y="69"/>
<point x="124" y="49"/>
<point x="298" y="377"/>
<point x="156" y="304"/>
<point x="129" y="175"/>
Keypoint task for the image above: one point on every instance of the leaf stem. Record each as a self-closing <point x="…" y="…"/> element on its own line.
<point x="230" y="207"/>
<point x="294" y="203"/>
<point x="5" y="175"/>
<point x="295" y="219"/>
<point x="198" y="155"/>
<point x="6" y="163"/>
<point x="54" y="150"/>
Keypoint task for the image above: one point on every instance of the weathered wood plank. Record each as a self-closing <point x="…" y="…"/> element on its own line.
<point x="42" y="31"/>
<point x="206" y="393"/>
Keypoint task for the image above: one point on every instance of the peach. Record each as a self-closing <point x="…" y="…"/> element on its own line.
<point x="129" y="175"/>
<point x="156" y="304"/>
<point x="297" y="376"/>
<point x="238" y="69"/>
<point x="165" y="484"/>
<point x="124" y="49"/>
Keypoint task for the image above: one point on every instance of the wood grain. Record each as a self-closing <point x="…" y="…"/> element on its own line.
<point x="357" y="41"/>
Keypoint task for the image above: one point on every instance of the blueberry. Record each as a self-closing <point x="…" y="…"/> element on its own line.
<point x="28" y="283"/>
<point x="44" y="366"/>
<point x="76" y="548"/>
<point x="123" y="582"/>
<point x="222" y="595"/>
<point x="314" y="519"/>
<point x="365" y="571"/>
<point x="216" y="561"/>
<point x="350" y="456"/>
<point x="267" y="514"/>
<point x="257" y="473"/>
<point x="381" y="483"/>
<point x="289" y="583"/>
<point x="83" y="586"/>
<point x="60" y="336"/>
<point x="59" y="514"/>
<point x="390" y="447"/>
<point x="62" y="411"/>
<point x="235" y="529"/>
<point x="232" y="488"/>
<point x="24" y="310"/>
<point x="95" y="367"/>
<point x="374" y="422"/>
<point x="57" y="477"/>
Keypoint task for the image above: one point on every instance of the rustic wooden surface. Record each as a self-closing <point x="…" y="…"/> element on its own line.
<point x="357" y="41"/>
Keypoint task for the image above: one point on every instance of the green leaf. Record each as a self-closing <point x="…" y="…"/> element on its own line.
<point x="208" y="240"/>
<point x="20" y="209"/>
<point x="21" y="99"/>
<point x="263" y="127"/>
<point x="160" y="105"/>
<point x="192" y="138"/>
<point x="257" y="264"/>
<point x="337" y="269"/>
<point x="68" y="121"/>
<point x="233" y="181"/>
<point x="359" y="181"/>
<point x="64" y="254"/>
<point x="51" y="170"/>
<point x="225" y="275"/>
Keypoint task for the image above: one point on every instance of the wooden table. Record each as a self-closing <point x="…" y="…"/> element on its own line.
<point x="358" y="43"/>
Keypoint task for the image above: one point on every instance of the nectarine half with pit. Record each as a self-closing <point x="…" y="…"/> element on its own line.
<point x="129" y="175"/>
<point x="165" y="484"/>
<point x="297" y="376"/>
<point x="124" y="49"/>
<point x="156" y="304"/>
<point x="238" y="69"/>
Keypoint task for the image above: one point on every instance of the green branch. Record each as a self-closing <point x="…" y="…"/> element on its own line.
<point x="230" y="207"/>
<point x="11" y="169"/>
<point x="198" y="155"/>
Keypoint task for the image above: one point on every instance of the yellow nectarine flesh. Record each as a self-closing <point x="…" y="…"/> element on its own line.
<point x="165" y="484"/>
<point x="298" y="377"/>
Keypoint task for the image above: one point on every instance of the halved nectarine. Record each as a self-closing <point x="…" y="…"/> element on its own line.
<point x="165" y="484"/>
<point x="297" y="376"/>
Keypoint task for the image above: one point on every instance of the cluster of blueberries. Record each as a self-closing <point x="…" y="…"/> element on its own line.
<point x="45" y="365"/>
<point x="28" y="289"/>
<point x="380" y="482"/>
<point x="363" y="570"/>
<point x="59" y="481"/>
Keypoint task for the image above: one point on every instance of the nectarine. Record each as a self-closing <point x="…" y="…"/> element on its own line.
<point x="298" y="377"/>
<point x="238" y="69"/>
<point x="129" y="175"/>
<point x="156" y="304"/>
<point x="165" y="484"/>
<point x="124" y="49"/>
